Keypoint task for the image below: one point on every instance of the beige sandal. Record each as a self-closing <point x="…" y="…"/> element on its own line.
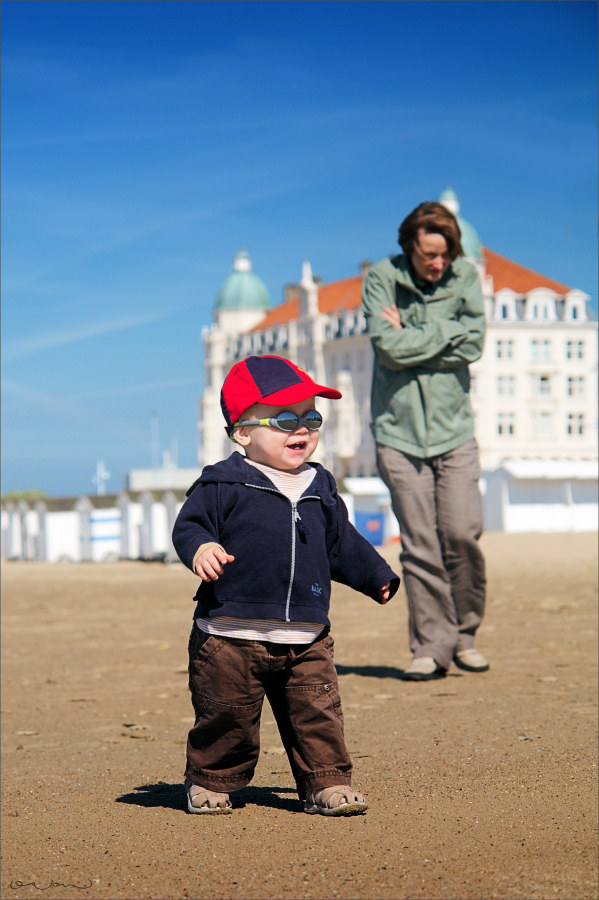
<point x="201" y="800"/>
<point x="339" y="800"/>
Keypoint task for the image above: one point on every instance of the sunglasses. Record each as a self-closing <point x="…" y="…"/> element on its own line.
<point x="288" y="421"/>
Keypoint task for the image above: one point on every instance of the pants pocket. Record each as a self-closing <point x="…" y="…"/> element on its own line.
<point x="317" y="718"/>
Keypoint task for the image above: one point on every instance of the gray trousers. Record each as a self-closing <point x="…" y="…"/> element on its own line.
<point x="438" y="505"/>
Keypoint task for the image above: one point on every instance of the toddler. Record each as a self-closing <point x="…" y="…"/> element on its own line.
<point x="266" y="533"/>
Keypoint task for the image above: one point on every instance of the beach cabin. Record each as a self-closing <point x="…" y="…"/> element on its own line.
<point x="369" y="507"/>
<point x="541" y="495"/>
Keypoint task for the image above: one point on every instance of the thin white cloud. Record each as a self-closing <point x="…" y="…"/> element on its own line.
<point x="112" y="230"/>
<point x="27" y="396"/>
<point x="140" y="388"/>
<point x="33" y="398"/>
<point x="48" y="341"/>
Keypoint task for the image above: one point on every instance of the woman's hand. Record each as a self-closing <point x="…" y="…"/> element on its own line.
<point x="391" y="314"/>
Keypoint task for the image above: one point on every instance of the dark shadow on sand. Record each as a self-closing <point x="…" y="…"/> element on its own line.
<point x="370" y="671"/>
<point x="172" y="796"/>
<point x="161" y="794"/>
<point x="388" y="672"/>
<point x="267" y="796"/>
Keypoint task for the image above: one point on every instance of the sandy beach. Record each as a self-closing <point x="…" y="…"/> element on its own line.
<point x="480" y="786"/>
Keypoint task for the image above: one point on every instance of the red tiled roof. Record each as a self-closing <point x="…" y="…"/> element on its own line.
<point x="508" y="274"/>
<point x="347" y="293"/>
<point x="280" y="314"/>
<point x="333" y="297"/>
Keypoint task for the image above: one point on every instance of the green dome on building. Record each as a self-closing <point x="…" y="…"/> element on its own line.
<point x="471" y="242"/>
<point x="242" y="289"/>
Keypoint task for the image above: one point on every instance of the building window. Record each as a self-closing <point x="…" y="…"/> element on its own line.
<point x="541" y="386"/>
<point x="575" y="386"/>
<point x="541" y="424"/>
<point x="541" y="311"/>
<point x="575" y="425"/>
<point x="540" y="350"/>
<point x="504" y="349"/>
<point x="505" y="385"/>
<point x="574" y="350"/>
<point x="504" y="311"/>
<point x="505" y="424"/>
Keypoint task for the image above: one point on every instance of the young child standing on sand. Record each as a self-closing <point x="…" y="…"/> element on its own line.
<point x="266" y="533"/>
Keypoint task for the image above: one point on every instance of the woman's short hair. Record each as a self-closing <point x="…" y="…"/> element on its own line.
<point x="434" y="218"/>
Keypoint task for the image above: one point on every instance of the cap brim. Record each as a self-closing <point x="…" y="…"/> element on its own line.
<point x="298" y="392"/>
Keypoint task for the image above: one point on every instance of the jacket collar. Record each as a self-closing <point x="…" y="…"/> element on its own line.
<point x="405" y="276"/>
<point x="235" y="470"/>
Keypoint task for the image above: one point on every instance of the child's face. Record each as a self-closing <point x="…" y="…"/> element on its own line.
<point x="285" y="450"/>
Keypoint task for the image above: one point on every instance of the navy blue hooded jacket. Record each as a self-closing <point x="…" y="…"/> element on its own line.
<point x="285" y="553"/>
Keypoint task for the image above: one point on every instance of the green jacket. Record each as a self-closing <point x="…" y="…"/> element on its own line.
<point x="420" y="403"/>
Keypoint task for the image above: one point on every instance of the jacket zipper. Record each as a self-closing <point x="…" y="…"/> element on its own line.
<point x="295" y="526"/>
<point x="425" y="411"/>
<point x="295" y="516"/>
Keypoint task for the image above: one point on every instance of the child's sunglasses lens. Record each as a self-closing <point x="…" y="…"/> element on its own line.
<point x="288" y="421"/>
<point x="313" y="420"/>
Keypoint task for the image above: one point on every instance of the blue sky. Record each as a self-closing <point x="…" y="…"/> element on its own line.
<point x="143" y="143"/>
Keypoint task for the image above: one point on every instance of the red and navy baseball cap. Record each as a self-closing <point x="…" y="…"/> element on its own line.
<point x="267" y="379"/>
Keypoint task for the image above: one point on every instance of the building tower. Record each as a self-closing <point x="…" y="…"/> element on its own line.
<point x="241" y="303"/>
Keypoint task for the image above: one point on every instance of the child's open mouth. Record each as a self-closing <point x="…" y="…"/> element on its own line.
<point x="299" y="445"/>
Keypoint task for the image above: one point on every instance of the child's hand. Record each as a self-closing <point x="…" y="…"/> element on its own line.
<point x="210" y="564"/>
<point x="385" y="594"/>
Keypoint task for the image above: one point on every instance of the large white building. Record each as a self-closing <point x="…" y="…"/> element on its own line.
<point x="534" y="391"/>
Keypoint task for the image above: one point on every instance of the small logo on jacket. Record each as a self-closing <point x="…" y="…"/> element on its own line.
<point x="316" y="589"/>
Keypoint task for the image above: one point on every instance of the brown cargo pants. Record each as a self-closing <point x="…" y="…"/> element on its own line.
<point x="228" y="680"/>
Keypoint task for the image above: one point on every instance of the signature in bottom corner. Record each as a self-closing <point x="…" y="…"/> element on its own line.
<point x="15" y="885"/>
